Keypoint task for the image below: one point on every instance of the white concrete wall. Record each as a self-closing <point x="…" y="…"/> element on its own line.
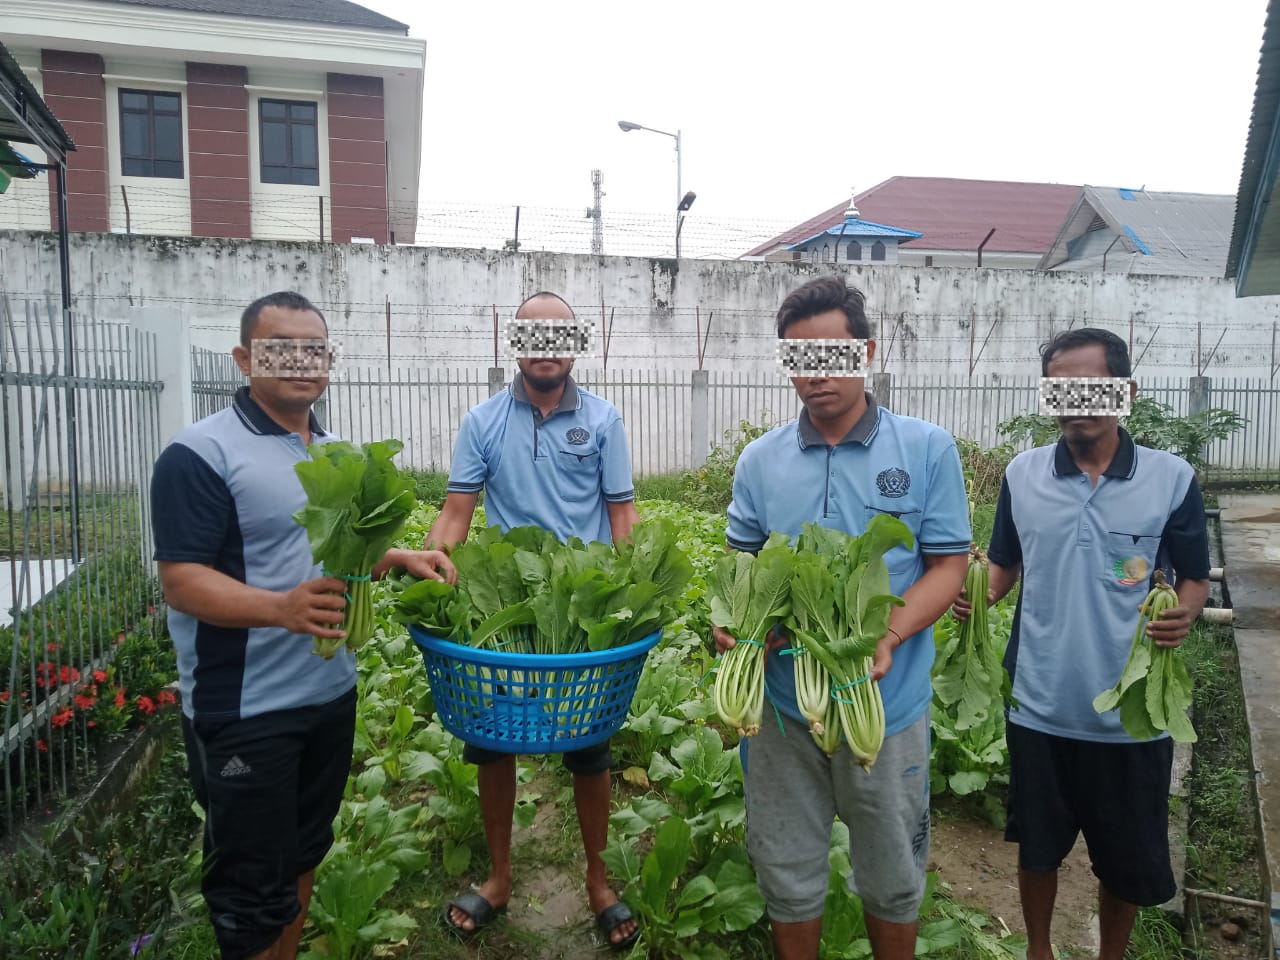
<point x="442" y="303"/>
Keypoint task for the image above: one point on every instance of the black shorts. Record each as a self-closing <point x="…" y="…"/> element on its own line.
<point x="1117" y="794"/>
<point x="270" y="786"/>
<point x="582" y="763"/>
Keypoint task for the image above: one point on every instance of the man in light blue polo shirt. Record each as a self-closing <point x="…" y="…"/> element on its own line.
<point x="547" y="453"/>
<point x="843" y="461"/>
<point x="1085" y="522"/>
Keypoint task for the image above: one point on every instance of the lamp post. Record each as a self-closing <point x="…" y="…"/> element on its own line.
<point x="626" y="126"/>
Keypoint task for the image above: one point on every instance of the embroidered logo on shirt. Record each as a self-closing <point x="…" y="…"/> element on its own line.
<point x="894" y="482"/>
<point x="1131" y="571"/>
<point x="577" y="436"/>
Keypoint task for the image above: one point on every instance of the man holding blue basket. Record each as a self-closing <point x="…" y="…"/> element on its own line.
<point x="549" y="454"/>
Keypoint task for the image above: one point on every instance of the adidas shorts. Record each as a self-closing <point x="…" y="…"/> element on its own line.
<point x="270" y="787"/>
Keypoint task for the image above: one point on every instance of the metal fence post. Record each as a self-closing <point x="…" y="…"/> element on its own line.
<point x="1198" y="395"/>
<point x="699" y="418"/>
<point x="882" y="389"/>
<point x="497" y="380"/>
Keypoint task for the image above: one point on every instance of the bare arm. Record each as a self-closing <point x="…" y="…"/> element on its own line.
<point x="312" y="607"/>
<point x="925" y="601"/>
<point x="1000" y="580"/>
<point x="622" y="517"/>
<point x="450" y="528"/>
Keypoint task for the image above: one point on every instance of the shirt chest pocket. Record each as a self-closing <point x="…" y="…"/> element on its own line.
<point x="1130" y="560"/>
<point x="577" y="473"/>
<point x="900" y="559"/>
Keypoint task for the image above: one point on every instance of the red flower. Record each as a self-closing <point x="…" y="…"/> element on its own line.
<point x="99" y="676"/>
<point x="166" y="697"/>
<point x="62" y="717"/>
<point x="42" y="746"/>
<point x="93" y="723"/>
<point x="4" y="696"/>
<point x="85" y="701"/>
<point x="69" y="675"/>
<point x="119" y="638"/>
<point x="146" y="705"/>
<point x="119" y="701"/>
<point x="53" y="647"/>
<point x="151" y="611"/>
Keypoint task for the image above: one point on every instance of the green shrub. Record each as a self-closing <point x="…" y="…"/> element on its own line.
<point x="710" y="487"/>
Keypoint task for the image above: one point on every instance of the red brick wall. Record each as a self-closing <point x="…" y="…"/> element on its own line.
<point x="76" y="93"/>
<point x="218" y="150"/>
<point x="357" y="158"/>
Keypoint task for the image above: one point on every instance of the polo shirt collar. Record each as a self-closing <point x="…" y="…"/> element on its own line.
<point x="862" y="432"/>
<point x="260" y="422"/>
<point x="1121" y="467"/>
<point x="568" y="402"/>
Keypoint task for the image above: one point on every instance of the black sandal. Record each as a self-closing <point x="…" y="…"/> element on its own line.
<point x="480" y="910"/>
<point x="612" y="917"/>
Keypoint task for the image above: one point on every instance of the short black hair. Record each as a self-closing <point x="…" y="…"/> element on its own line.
<point x="285" y="299"/>
<point x="1116" y="351"/>
<point x="545" y="293"/>
<point x="819" y="296"/>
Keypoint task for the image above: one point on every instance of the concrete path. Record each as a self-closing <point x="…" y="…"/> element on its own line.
<point x="42" y="576"/>
<point x="1251" y="555"/>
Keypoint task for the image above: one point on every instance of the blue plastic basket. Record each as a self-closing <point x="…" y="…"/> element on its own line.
<point x="531" y="703"/>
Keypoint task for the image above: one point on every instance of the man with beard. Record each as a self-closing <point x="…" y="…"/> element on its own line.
<point x="547" y="453"/>
<point x="1085" y="522"/>
<point x="268" y="725"/>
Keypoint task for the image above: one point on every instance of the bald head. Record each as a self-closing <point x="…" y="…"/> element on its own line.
<point x="544" y="305"/>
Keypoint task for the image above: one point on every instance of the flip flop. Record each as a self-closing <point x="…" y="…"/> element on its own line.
<point x="612" y="917"/>
<point x="480" y="910"/>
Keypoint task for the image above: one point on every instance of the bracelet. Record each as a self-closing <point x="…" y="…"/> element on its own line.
<point x="896" y="634"/>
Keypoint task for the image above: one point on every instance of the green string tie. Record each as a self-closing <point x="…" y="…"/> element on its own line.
<point x="342" y="576"/>
<point x="845" y="686"/>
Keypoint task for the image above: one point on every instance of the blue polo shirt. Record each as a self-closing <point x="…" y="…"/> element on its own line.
<point x="557" y="472"/>
<point x="223" y="494"/>
<point x="1088" y="555"/>
<point x="886" y="464"/>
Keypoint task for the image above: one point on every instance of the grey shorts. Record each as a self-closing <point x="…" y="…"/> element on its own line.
<point x="793" y="793"/>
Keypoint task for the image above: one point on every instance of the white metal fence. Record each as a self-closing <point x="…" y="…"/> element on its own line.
<point x="673" y="417"/>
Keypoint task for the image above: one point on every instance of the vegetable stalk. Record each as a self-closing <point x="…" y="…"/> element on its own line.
<point x="739" y="690"/>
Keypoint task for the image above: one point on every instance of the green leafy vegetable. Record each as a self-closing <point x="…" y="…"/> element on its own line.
<point x="357" y="503"/>
<point x="1154" y="689"/>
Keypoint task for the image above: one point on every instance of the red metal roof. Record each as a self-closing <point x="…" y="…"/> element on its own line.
<point x="954" y="214"/>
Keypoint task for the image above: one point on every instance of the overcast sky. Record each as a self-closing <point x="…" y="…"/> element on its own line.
<point x="784" y="106"/>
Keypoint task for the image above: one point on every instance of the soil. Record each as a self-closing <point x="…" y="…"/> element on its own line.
<point x="982" y="870"/>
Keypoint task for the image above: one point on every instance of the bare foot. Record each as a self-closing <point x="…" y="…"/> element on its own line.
<point x="600" y="898"/>
<point x="495" y="889"/>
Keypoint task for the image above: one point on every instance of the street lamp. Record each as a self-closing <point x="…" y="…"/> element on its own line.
<point x="626" y="126"/>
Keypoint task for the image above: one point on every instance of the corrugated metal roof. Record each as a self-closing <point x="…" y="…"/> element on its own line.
<point x="338" y="13"/>
<point x="1168" y="234"/>
<point x="953" y="214"/>
<point x="18" y="95"/>
<point x="1257" y="175"/>
<point x="852" y="229"/>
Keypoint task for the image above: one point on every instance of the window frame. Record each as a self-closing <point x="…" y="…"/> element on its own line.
<point x="288" y="122"/>
<point x="854" y="246"/>
<point x="150" y="113"/>
<point x="881" y="248"/>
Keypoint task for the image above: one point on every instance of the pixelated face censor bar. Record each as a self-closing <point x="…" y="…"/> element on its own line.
<point x="1084" y="396"/>
<point x="823" y="358"/>
<point x="549" y="338"/>
<point x="291" y="358"/>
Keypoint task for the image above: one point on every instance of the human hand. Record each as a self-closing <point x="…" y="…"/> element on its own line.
<point x="313" y="607"/>
<point x="883" y="659"/>
<point x="1172" y="626"/>
<point x="724" y="639"/>
<point x="429" y="565"/>
<point x="423" y="564"/>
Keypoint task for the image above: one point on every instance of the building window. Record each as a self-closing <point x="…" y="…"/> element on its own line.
<point x="928" y="261"/>
<point x="877" y="250"/>
<point x="826" y="252"/>
<point x="150" y="134"/>
<point x="855" y="250"/>
<point x="288" y="144"/>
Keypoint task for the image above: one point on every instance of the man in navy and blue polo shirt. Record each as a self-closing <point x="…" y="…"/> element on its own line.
<point x="843" y="461"/>
<point x="547" y="453"/>
<point x="268" y="724"/>
<point x="1085" y="522"/>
